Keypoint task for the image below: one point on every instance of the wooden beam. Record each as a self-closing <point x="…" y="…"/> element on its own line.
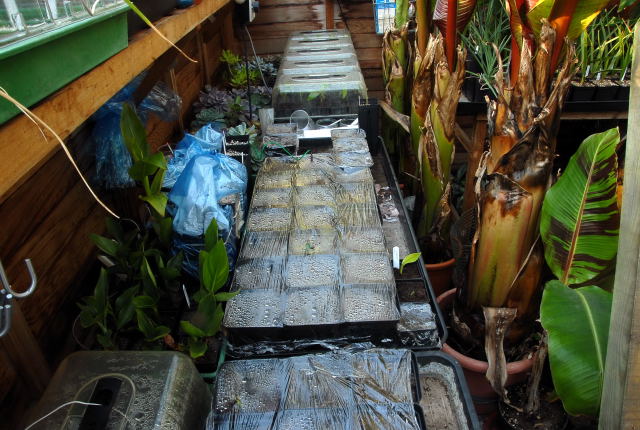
<point x="329" y="18"/>
<point x="22" y="149"/>
<point x="620" y="408"/>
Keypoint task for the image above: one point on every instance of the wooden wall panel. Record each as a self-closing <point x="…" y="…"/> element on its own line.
<point x="277" y="19"/>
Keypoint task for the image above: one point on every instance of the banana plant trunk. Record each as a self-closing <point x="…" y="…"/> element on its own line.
<point x="395" y="65"/>
<point x="436" y="144"/>
<point x="506" y="259"/>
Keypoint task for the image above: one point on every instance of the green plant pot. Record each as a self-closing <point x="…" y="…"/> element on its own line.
<point x="35" y="67"/>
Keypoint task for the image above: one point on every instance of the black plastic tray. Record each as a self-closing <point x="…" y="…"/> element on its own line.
<point x="383" y="157"/>
<point x="425" y="357"/>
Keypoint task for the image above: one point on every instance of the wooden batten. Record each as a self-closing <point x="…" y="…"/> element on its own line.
<point x="620" y="408"/>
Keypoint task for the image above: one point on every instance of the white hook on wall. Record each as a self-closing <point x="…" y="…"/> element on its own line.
<point x="7" y="294"/>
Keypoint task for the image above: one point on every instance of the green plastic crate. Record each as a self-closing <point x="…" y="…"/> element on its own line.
<point x="35" y="67"/>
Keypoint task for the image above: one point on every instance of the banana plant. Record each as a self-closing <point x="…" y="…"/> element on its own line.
<point x="395" y="66"/>
<point x="505" y="258"/>
<point x="438" y="77"/>
<point x="579" y="226"/>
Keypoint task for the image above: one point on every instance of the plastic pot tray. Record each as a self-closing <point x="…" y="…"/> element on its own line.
<point x="35" y="67"/>
<point x="447" y="377"/>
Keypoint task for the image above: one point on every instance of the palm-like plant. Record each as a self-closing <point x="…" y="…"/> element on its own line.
<point x="502" y="282"/>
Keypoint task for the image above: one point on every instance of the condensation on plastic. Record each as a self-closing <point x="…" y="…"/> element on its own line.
<point x="314" y="252"/>
<point x="417" y="326"/>
<point x="206" y="141"/>
<point x="159" y="390"/>
<point x="321" y="34"/>
<point x="339" y="65"/>
<point x="345" y="389"/>
<point x="320" y="92"/>
<point x="304" y="52"/>
<point x="112" y="158"/>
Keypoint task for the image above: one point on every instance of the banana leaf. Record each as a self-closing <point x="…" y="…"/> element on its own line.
<point x="580" y="14"/>
<point x="451" y="17"/>
<point x="580" y="218"/>
<point x="577" y="322"/>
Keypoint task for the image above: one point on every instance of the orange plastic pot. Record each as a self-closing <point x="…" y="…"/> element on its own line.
<point x="440" y="275"/>
<point x="484" y="397"/>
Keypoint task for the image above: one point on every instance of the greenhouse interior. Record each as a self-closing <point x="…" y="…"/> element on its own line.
<point x="319" y="214"/>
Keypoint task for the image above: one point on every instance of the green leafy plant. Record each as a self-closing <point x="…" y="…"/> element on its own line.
<point x="140" y="275"/>
<point x="579" y="226"/>
<point x="488" y="30"/>
<point x="214" y="273"/>
<point x="411" y="258"/>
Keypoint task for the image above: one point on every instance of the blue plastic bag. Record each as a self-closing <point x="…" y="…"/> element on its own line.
<point x="195" y="201"/>
<point x="205" y="141"/>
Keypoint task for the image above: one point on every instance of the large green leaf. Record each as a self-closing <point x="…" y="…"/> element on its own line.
<point x="585" y="12"/>
<point x="577" y="321"/>
<point x="580" y="218"/>
<point x="133" y="133"/>
<point x="211" y="235"/>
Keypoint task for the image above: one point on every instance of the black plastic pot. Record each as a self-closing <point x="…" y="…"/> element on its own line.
<point x="606" y="93"/>
<point x="582" y="93"/>
<point x="152" y="9"/>
<point x="425" y="357"/>
<point x="623" y="92"/>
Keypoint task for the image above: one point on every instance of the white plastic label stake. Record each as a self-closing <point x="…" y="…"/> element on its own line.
<point x="396" y="257"/>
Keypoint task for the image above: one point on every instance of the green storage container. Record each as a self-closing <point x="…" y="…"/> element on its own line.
<point x="35" y="67"/>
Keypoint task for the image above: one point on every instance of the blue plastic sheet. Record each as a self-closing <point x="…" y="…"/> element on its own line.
<point x="205" y="181"/>
<point x="206" y="141"/>
<point x="112" y="158"/>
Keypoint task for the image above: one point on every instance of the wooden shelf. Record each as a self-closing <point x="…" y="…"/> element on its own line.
<point x="22" y="148"/>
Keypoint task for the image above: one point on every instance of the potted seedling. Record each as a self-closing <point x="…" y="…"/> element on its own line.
<point x="204" y="323"/>
<point x="141" y="279"/>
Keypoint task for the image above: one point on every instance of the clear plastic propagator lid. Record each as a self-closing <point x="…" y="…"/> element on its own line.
<point x="321" y="65"/>
<point x="321" y="34"/>
<point x="26" y="18"/>
<point x="153" y="389"/>
<point x="345" y="389"/>
<point x="314" y="252"/>
<point x="311" y="53"/>
<point x="319" y="93"/>
<point x="324" y="42"/>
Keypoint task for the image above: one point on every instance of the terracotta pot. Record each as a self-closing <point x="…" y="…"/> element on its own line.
<point x="484" y="397"/>
<point x="440" y="275"/>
